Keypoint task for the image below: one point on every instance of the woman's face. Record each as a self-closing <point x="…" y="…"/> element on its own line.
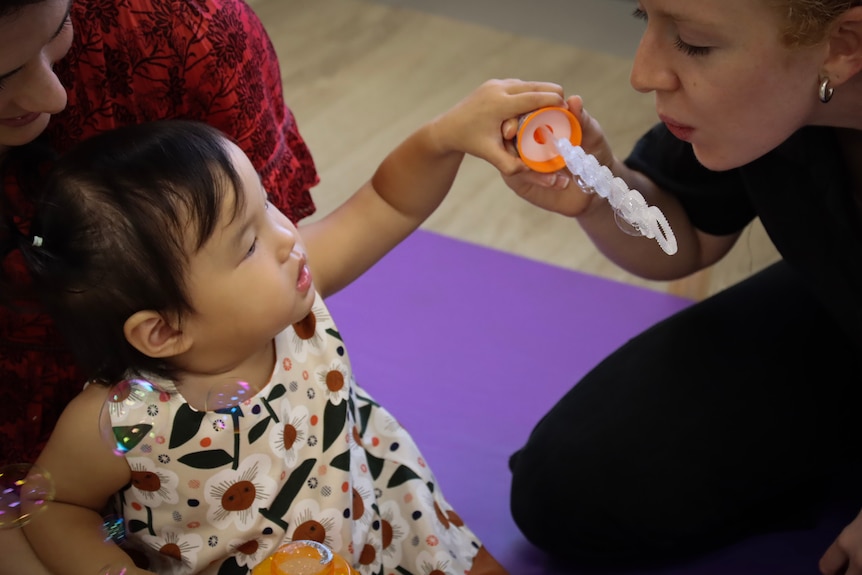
<point x="723" y="80"/>
<point x="31" y="41"/>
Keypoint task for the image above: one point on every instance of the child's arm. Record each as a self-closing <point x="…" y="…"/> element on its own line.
<point x="16" y="555"/>
<point x="67" y="534"/>
<point x="413" y="180"/>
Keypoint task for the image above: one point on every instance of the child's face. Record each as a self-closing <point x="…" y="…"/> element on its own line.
<point x="250" y="279"/>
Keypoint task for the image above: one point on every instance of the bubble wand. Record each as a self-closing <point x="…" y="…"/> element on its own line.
<point x="548" y="140"/>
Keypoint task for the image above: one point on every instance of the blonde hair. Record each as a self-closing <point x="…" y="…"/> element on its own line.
<point x="807" y="22"/>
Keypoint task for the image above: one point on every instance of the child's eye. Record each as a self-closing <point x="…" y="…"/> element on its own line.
<point x="639" y="14"/>
<point x="252" y="248"/>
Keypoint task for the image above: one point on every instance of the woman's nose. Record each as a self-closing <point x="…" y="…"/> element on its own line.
<point x="40" y="89"/>
<point x="651" y="70"/>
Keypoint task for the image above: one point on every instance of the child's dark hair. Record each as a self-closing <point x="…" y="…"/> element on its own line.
<point x="111" y="236"/>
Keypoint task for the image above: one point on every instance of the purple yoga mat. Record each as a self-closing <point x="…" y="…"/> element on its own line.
<point x="468" y="347"/>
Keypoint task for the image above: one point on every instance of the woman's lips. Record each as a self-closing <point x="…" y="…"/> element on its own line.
<point x="681" y="131"/>
<point x="19" y="121"/>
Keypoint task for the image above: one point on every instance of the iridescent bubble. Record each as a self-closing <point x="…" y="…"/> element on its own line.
<point x="25" y="490"/>
<point x="114" y="569"/>
<point x="223" y="405"/>
<point x="113" y="529"/>
<point x="227" y="396"/>
<point x="130" y="413"/>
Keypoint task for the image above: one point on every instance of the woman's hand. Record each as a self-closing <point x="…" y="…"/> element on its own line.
<point x="844" y="556"/>
<point x="557" y="192"/>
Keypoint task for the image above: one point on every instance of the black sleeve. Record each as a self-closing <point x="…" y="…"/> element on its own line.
<point x="716" y="202"/>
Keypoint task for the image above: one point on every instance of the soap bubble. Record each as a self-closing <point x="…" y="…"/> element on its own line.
<point x="135" y="415"/>
<point x="130" y="413"/>
<point x="114" y="569"/>
<point x="25" y="490"/>
<point x="223" y="404"/>
<point x="227" y="396"/>
<point x="113" y="529"/>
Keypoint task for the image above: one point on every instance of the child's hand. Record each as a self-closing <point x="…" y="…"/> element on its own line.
<point x="475" y="125"/>
<point x="557" y="192"/>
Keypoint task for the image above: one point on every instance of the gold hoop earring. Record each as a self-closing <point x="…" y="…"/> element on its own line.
<point x="825" y="91"/>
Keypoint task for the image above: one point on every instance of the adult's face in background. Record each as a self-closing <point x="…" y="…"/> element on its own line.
<point x="722" y="77"/>
<point x="32" y="39"/>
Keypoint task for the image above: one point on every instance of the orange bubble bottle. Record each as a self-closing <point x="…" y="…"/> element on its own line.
<point x="304" y="558"/>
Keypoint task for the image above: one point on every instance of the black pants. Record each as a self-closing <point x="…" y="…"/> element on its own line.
<point x="723" y="420"/>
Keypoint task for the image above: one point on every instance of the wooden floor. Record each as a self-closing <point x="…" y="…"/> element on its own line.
<point x="361" y="75"/>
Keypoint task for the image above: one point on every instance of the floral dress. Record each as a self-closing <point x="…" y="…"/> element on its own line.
<point x="310" y="456"/>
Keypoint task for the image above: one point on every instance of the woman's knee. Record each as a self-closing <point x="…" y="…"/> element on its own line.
<point x="583" y="504"/>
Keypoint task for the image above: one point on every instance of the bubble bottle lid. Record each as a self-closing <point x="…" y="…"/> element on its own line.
<point x="304" y="558"/>
<point x="531" y="142"/>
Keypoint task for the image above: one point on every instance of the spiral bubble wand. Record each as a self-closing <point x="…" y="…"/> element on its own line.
<point x="548" y="140"/>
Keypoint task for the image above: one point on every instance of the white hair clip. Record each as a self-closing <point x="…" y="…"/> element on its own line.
<point x="37" y="241"/>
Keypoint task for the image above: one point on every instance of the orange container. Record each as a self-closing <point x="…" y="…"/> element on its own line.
<point x="532" y="140"/>
<point x="304" y="558"/>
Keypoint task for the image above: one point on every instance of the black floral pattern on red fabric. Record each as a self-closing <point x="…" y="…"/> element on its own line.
<point x="134" y="61"/>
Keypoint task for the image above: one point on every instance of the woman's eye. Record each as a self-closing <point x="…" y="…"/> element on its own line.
<point x="67" y="23"/>
<point x="683" y="47"/>
<point x="690" y="50"/>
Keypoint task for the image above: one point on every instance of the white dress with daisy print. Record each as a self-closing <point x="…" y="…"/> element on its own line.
<point x="310" y="456"/>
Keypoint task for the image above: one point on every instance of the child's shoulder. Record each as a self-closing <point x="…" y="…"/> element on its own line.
<point x="79" y="455"/>
<point x="93" y="392"/>
<point x="82" y="417"/>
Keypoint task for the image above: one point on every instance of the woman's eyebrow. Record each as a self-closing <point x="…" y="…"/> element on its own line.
<point x="53" y="36"/>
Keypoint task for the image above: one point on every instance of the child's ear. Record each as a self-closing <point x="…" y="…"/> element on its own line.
<point x="150" y="333"/>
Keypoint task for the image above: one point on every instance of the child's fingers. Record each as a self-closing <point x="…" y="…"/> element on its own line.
<point x="513" y="86"/>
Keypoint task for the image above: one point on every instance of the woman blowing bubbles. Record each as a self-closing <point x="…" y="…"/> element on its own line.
<point x="730" y="417"/>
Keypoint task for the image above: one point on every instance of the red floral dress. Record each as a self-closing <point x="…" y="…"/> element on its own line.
<point x="133" y="61"/>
